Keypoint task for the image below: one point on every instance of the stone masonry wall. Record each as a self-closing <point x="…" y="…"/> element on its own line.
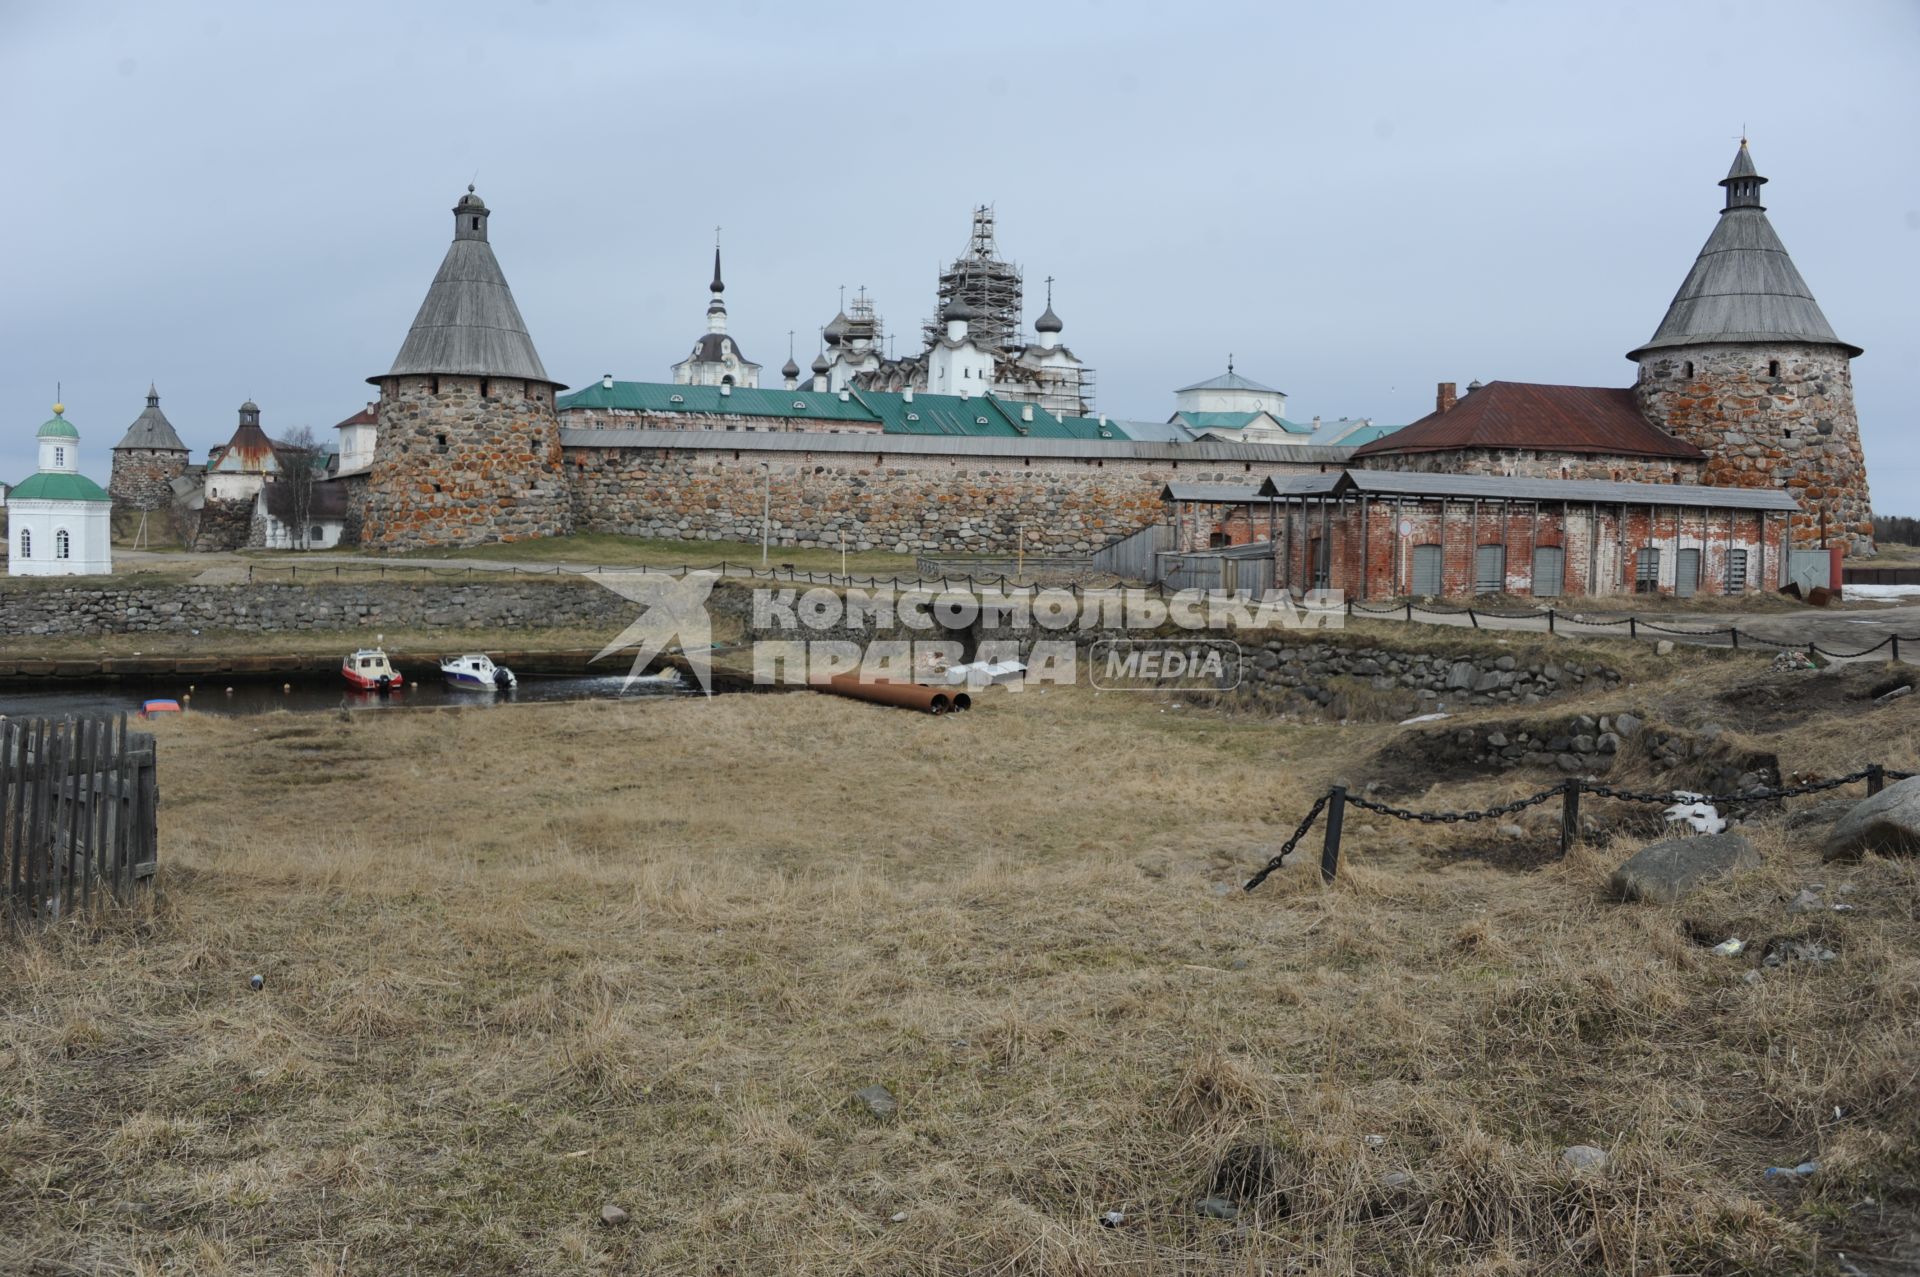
<point x="464" y="461"/>
<point x="142" y="477"/>
<point x="263" y="608"/>
<point x="1770" y="417"/>
<point x="908" y="503"/>
<point x="222" y="525"/>
<point x="1531" y="464"/>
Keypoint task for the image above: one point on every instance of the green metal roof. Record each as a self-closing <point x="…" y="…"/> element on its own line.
<point x="893" y="412"/>
<point x="653" y="396"/>
<point x="57" y="486"/>
<point x="57" y="427"/>
<point x="1237" y="421"/>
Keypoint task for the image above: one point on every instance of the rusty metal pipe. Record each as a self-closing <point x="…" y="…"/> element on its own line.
<point x="931" y="700"/>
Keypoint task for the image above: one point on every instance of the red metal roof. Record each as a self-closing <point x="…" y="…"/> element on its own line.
<point x="367" y="416"/>
<point x="1519" y="414"/>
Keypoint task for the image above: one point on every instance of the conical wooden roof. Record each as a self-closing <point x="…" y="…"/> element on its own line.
<point x="469" y="323"/>
<point x="1743" y="287"/>
<point x="151" y="429"/>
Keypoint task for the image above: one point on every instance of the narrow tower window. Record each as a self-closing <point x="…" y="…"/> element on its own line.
<point x="62" y="544"/>
<point x="1689" y="367"/>
<point x="476" y="223"/>
<point x="26" y="543"/>
<point x="1773" y="367"/>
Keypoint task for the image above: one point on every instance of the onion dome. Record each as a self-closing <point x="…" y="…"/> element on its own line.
<point x="1048" y="321"/>
<point x="249" y="406"/>
<point x="959" y="310"/>
<point x="836" y="329"/>
<point x="820" y="364"/>
<point x="790" y="369"/>
<point x="57" y="426"/>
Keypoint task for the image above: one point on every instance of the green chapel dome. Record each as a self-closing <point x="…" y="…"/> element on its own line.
<point x="57" y="426"/>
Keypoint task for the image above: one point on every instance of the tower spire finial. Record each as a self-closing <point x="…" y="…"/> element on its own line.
<point x="1229" y="363"/>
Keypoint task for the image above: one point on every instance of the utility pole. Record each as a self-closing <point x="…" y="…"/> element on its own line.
<point x="766" y="510"/>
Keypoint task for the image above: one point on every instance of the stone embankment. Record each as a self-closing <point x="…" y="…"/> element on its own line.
<point x="259" y="608"/>
<point x="1284" y="664"/>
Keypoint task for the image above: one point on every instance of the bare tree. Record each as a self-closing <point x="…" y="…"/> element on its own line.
<point x="301" y="466"/>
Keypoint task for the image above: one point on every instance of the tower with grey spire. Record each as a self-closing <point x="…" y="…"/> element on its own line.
<point x="716" y="359"/>
<point x="146" y="461"/>
<point x="1745" y="367"/>
<point x="469" y="447"/>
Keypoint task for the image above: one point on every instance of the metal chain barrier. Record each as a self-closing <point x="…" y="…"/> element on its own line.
<point x="1454" y="817"/>
<point x="1569" y="791"/>
<point x="1319" y="806"/>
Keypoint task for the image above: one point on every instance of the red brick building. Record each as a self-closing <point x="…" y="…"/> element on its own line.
<point x="1388" y="534"/>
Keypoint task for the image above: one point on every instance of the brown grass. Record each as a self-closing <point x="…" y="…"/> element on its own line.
<point x="539" y="959"/>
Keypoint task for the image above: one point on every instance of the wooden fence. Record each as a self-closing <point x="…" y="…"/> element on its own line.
<point x="79" y="814"/>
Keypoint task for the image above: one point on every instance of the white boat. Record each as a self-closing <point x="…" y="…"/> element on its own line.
<point x="477" y="671"/>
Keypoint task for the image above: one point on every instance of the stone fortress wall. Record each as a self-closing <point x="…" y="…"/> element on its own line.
<point x="464" y="461"/>
<point x="1770" y="417"/>
<point x="907" y="502"/>
<point x="142" y="478"/>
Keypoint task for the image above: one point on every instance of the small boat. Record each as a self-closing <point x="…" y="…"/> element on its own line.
<point x="149" y="708"/>
<point x="478" y="672"/>
<point x="369" y="670"/>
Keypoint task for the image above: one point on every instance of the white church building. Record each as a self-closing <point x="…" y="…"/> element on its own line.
<point x="59" y="522"/>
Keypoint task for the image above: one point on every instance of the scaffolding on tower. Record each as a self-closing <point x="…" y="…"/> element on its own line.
<point x="990" y="286"/>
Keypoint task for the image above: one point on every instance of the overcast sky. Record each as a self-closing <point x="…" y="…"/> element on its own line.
<point x="1356" y="200"/>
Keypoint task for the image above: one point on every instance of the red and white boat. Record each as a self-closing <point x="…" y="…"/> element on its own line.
<point x="369" y="670"/>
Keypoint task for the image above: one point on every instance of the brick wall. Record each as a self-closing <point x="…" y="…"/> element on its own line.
<point x="1599" y="547"/>
<point x="908" y="503"/>
<point x="464" y="461"/>
<point x="1770" y="417"/>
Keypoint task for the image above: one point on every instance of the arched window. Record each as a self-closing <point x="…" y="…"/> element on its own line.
<point x="26" y="543"/>
<point x="1689" y="367"/>
<point x="62" y="545"/>
<point x="59" y="456"/>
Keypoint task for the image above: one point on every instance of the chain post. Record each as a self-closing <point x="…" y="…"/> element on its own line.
<point x="1896" y="647"/>
<point x="1735" y="631"/>
<point x="1550" y="629"/>
<point x="1330" y="850"/>
<point x="1409" y="609"/>
<point x="1633" y="628"/>
<point x="1876" y="779"/>
<point x="1812" y="650"/>
<point x="1569" y="814"/>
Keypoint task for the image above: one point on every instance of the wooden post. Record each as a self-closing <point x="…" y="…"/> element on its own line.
<point x="9" y="803"/>
<point x="1550" y="620"/>
<point x="1876" y="779"/>
<point x="1330" y="849"/>
<point x="1569" y="813"/>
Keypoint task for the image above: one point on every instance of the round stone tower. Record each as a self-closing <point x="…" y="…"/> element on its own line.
<point x="468" y="449"/>
<point x="147" y="460"/>
<point x="1747" y="369"/>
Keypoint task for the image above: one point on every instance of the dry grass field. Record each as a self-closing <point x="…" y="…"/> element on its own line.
<point x="525" y="963"/>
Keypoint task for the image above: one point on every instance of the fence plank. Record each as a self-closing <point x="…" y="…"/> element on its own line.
<point x="8" y="805"/>
<point x="79" y="800"/>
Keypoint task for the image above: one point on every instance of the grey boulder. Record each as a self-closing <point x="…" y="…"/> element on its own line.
<point x="1888" y="822"/>
<point x="1667" y="870"/>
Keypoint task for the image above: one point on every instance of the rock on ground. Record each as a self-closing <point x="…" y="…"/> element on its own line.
<point x="1583" y="1157"/>
<point x="878" y="1100"/>
<point x="1887" y="822"/>
<point x="1666" y="870"/>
